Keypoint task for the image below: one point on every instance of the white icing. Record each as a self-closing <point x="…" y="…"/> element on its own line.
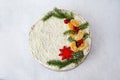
<point x="46" y="38"/>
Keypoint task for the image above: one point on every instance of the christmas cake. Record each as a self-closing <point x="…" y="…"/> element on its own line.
<point x="60" y="40"/>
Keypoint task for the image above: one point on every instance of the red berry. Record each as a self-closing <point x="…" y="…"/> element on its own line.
<point x="76" y="29"/>
<point x="66" y="21"/>
<point x="79" y="42"/>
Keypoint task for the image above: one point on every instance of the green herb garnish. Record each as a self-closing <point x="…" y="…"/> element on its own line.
<point x="71" y="39"/>
<point x="86" y="35"/>
<point x="47" y="16"/>
<point x="64" y="14"/>
<point x="77" y="57"/>
<point x="83" y="26"/>
<point x="58" y="13"/>
<point x="60" y="63"/>
<point x="69" y="32"/>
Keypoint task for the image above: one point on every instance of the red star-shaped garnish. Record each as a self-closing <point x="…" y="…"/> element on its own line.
<point x="66" y="53"/>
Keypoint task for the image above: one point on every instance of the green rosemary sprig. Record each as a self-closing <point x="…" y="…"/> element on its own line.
<point x="86" y="35"/>
<point x="64" y="14"/>
<point x="47" y="16"/>
<point x="69" y="32"/>
<point x="60" y="63"/>
<point x="71" y="39"/>
<point x="58" y="13"/>
<point x="83" y="26"/>
<point x="71" y="13"/>
<point x="69" y="16"/>
<point x="77" y="57"/>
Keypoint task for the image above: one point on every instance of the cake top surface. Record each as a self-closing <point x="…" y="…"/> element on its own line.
<point x="60" y="40"/>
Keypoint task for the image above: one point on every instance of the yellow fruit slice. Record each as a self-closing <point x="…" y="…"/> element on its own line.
<point x="73" y="46"/>
<point x="79" y="35"/>
<point x="75" y="22"/>
<point x="82" y="46"/>
<point x="70" y="26"/>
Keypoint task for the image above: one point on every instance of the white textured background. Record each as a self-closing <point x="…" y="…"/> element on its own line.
<point x="16" y="61"/>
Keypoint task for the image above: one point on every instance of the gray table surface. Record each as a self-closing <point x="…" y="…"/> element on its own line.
<point x="16" y="60"/>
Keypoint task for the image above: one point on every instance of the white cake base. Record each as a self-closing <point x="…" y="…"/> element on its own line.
<point x="46" y="38"/>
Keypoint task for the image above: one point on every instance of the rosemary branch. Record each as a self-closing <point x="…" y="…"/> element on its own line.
<point x="86" y="35"/>
<point x="58" y="13"/>
<point x="47" y="16"/>
<point x="69" y="32"/>
<point x="83" y="26"/>
<point x="77" y="57"/>
<point x="71" y="39"/>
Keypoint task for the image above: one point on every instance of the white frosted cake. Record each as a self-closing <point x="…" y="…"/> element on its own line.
<point x="60" y="40"/>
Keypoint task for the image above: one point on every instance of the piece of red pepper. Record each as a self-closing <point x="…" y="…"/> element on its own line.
<point x="66" y="21"/>
<point x="79" y="42"/>
<point x="76" y="29"/>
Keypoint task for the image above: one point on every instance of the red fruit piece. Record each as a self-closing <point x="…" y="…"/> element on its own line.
<point x="79" y="42"/>
<point x="76" y="29"/>
<point x="66" y="21"/>
<point x="66" y="53"/>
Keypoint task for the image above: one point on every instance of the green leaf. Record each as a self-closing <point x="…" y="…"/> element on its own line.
<point x="77" y="56"/>
<point x="86" y="35"/>
<point x="71" y="13"/>
<point x="47" y="16"/>
<point x="58" y="13"/>
<point x="60" y="63"/>
<point x="71" y="39"/>
<point x="68" y="16"/>
<point x="69" y="32"/>
<point x="83" y="26"/>
<point x="64" y="14"/>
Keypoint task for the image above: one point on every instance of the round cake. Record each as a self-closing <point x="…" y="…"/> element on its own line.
<point x="60" y="40"/>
